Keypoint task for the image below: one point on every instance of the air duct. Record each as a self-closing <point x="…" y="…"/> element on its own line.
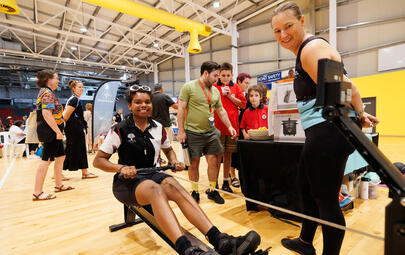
<point x="181" y="24"/>
<point x="9" y="7"/>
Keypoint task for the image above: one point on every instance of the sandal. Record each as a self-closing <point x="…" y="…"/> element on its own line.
<point x="45" y="197"/>
<point x="62" y="188"/>
<point x="89" y="176"/>
<point x="235" y="182"/>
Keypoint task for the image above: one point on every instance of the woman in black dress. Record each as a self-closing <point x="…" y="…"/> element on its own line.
<point x="76" y="155"/>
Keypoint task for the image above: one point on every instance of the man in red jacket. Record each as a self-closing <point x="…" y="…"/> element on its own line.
<point x="232" y="99"/>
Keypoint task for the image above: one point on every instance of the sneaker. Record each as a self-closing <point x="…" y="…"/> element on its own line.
<point x="216" y="197"/>
<point x="246" y="244"/>
<point x="226" y="187"/>
<point x="235" y="182"/>
<point x="298" y="246"/>
<point x="196" y="196"/>
<point x="194" y="250"/>
<point x="208" y="190"/>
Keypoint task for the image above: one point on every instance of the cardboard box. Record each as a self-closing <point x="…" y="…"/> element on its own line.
<point x="287" y="127"/>
<point x="286" y="98"/>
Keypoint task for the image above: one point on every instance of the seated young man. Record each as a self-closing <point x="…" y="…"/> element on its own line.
<point x="138" y="141"/>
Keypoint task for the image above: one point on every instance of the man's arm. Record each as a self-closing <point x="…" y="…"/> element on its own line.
<point x="224" y="117"/>
<point x="180" y="120"/>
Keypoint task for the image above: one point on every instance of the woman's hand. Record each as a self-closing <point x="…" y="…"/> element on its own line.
<point x="179" y="166"/>
<point x="368" y="120"/>
<point x="128" y="171"/>
<point x="59" y="136"/>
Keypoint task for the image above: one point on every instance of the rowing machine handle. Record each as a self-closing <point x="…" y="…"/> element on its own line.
<point x="149" y="170"/>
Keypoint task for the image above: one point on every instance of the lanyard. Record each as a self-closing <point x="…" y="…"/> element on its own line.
<point x="205" y="93"/>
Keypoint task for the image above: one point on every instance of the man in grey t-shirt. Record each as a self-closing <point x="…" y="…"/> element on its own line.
<point x="160" y="109"/>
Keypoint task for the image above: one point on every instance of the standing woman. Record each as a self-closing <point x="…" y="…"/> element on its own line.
<point x="76" y="155"/>
<point x="88" y="117"/>
<point x="325" y="152"/>
<point x="49" y="129"/>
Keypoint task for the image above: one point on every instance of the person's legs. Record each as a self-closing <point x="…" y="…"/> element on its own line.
<point x="326" y="194"/>
<point x="307" y="201"/>
<point x="195" y="147"/>
<point x="213" y="170"/>
<point x="48" y="155"/>
<point x="219" y="162"/>
<point x="193" y="174"/>
<point x="324" y="159"/>
<point x="40" y="176"/>
<point x="87" y="175"/>
<point x="175" y="192"/>
<point x="57" y="168"/>
<point x="227" y="166"/>
<point x="222" y="242"/>
<point x="149" y="192"/>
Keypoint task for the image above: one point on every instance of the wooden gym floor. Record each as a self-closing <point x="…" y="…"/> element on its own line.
<point x="77" y="221"/>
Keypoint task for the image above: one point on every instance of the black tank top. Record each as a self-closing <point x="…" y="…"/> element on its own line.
<point x="304" y="86"/>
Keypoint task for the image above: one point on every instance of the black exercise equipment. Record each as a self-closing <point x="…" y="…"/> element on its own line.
<point x="145" y="215"/>
<point x="333" y="94"/>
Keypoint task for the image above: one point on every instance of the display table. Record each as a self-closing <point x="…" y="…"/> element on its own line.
<point x="267" y="167"/>
<point x="268" y="170"/>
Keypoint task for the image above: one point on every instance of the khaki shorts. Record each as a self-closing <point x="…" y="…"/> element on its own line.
<point x="229" y="144"/>
<point x="200" y="144"/>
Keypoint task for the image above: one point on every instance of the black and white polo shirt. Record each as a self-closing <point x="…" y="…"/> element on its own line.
<point x="136" y="148"/>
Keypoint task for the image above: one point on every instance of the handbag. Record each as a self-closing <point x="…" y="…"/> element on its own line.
<point x="31" y="128"/>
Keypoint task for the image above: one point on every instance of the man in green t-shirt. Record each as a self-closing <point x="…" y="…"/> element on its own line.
<point x="201" y="99"/>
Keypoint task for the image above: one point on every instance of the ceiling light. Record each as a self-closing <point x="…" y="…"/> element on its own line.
<point x="67" y="59"/>
<point x="124" y="77"/>
<point x="83" y="29"/>
<point x="135" y="58"/>
<point x="216" y="4"/>
<point x="33" y="78"/>
<point x="73" y="48"/>
<point x="155" y="44"/>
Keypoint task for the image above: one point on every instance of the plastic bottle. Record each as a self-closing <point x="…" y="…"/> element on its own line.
<point x="351" y="180"/>
<point x="364" y="187"/>
<point x="186" y="154"/>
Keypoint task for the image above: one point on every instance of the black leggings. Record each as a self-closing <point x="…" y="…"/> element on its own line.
<point x="320" y="174"/>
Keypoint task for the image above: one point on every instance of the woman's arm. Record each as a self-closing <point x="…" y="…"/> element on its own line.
<point x="318" y="49"/>
<point x="68" y="112"/>
<point x="367" y="120"/>
<point x="171" y="156"/>
<point x="47" y="114"/>
<point x="102" y="162"/>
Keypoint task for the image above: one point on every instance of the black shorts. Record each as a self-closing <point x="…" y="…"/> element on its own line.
<point x="53" y="150"/>
<point x="124" y="189"/>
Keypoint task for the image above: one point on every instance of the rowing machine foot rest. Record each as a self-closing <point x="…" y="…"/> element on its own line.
<point x="145" y="214"/>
